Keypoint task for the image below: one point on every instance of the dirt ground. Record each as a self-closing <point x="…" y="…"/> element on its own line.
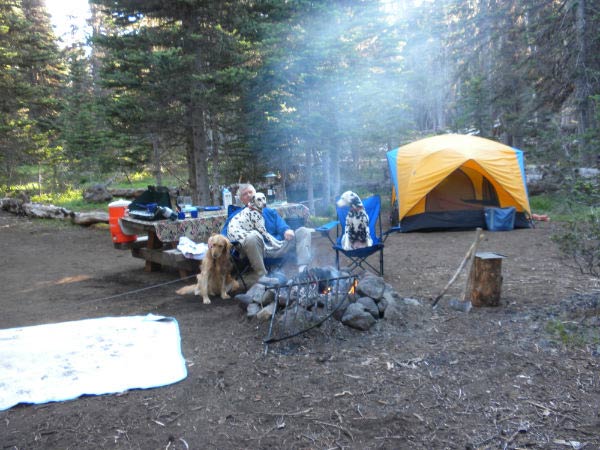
<point x="521" y="375"/>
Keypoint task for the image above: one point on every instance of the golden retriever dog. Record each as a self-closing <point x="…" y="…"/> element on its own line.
<point x="215" y="273"/>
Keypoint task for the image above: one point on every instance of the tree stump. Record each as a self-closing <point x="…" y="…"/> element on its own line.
<point x="485" y="279"/>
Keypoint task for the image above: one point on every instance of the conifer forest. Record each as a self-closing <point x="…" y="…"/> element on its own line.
<point x="216" y="92"/>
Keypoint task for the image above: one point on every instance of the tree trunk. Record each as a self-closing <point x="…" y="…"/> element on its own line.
<point x="326" y="194"/>
<point x="284" y="172"/>
<point x="582" y="88"/>
<point x="214" y="145"/>
<point x="310" y="188"/>
<point x="197" y="143"/>
<point x="486" y="55"/>
<point x="156" y="159"/>
<point x="197" y="146"/>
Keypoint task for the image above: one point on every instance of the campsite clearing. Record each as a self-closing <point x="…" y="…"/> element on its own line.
<point x="523" y="375"/>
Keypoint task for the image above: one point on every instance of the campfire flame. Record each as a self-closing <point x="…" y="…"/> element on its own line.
<point x="352" y="289"/>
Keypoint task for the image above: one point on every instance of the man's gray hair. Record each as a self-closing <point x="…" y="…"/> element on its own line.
<point x="243" y="187"/>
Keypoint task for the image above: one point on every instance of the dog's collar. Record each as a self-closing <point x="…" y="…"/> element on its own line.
<point x="254" y="208"/>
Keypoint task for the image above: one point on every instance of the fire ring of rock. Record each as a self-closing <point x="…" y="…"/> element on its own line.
<point x="303" y="299"/>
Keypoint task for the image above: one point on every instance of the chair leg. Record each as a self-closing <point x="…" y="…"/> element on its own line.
<point x="239" y="274"/>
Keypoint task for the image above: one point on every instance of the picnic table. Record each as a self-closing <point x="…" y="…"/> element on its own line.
<point x="157" y="240"/>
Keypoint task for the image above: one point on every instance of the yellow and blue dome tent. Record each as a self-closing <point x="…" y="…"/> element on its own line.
<point x="447" y="181"/>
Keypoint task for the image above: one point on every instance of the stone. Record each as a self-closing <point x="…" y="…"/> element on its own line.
<point x="268" y="297"/>
<point x="371" y="286"/>
<point x="394" y="313"/>
<point x="97" y="194"/>
<point x="339" y="312"/>
<point x="267" y="312"/>
<point x="411" y="301"/>
<point x="389" y="293"/>
<point x="269" y="281"/>
<point x="357" y="317"/>
<point x="256" y="292"/>
<point x="243" y="300"/>
<point x="252" y="310"/>
<point x="370" y="306"/>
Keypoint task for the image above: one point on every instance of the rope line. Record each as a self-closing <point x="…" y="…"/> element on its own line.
<point x="135" y="291"/>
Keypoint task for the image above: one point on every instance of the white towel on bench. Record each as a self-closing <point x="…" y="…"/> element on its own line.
<point x="190" y="249"/>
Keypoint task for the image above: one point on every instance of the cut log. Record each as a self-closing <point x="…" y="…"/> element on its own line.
<point x="90" y="218"/>
<point x="485" y="279"/>
<point x="42" y="211"/>
<point x="13" y="205"/>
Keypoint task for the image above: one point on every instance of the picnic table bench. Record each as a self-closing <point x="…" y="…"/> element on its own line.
<point x="157" y="240"/>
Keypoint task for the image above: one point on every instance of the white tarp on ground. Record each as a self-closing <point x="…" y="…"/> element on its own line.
<point x="62" y="361"/>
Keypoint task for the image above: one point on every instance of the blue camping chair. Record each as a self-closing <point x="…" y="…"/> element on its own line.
<point x="358" y="258"/>
<point x="241" y="264"/>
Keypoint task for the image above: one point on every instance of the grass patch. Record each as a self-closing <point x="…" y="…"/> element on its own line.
<point x="571" y="334"/>
<point x="560" y="207"/>
<point x="71" y="199"/>
<point x="541" y="204"/>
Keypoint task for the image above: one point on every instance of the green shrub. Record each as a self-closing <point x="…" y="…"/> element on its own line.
<point x="572" y="333"/>
<point x="559" y="206"/>
<point x="542" y="204"/>
<point x="579" y="239"/>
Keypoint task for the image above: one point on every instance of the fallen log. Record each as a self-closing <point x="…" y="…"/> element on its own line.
<point x="43" y="211"/>
<point x="12" y="205"/>
<point x="89" y="218"/>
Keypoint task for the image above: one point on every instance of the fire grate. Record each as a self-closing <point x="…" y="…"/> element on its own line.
<point x="305" y="303"/>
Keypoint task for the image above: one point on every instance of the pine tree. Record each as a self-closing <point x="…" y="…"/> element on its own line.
<point x="172" y="71"/>
<point x="29" y="82"/>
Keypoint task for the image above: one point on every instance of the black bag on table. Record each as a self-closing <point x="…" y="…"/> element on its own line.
<point x="147" y="205"/>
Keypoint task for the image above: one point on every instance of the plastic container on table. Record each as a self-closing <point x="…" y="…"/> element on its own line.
<point x="227" y="199"/>
<point x="116" y="210"/>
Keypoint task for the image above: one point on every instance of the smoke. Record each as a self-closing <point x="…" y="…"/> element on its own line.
<point x="339" y="80"/>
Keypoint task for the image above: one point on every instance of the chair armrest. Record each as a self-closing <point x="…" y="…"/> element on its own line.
<point x="324" y="229"/>
<point x="395" y="229"/>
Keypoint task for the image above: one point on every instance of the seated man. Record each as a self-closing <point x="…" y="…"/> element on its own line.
<point x="253" y="246"/>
